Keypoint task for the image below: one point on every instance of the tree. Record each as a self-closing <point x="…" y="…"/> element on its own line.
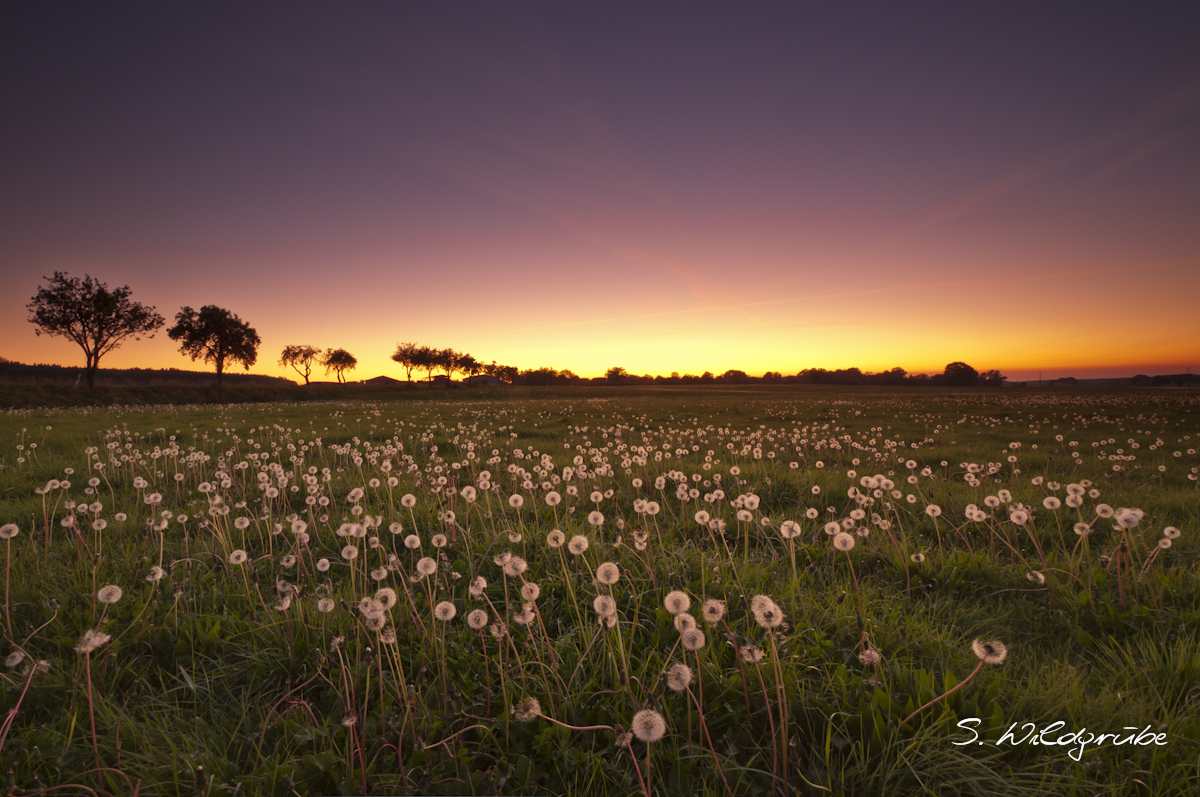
<point x="505" y="373"/>
<point x="216" y="336"/>
<point x="960" y="375"/>
<point x="87" y="312"/>
<point x="339" y="361"/>
<point x="540" y="377"/>
<point x="406" y="354"/>
<point x="734" y="377"/>
<point x="992" y="378"/>
<point x="427" y="359"/>
<point x="300" y="357"/>
<point x="447" y="360"/>
<point x="469" y="366"/>
<point x="616" y="375"/>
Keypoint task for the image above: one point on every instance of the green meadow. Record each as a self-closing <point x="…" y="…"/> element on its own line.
<point x="605" y="591"/>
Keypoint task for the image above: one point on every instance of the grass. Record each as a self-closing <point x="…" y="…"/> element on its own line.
<point x="212" y="683"/>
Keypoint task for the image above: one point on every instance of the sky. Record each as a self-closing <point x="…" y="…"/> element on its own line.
<point x="662" y="187"/>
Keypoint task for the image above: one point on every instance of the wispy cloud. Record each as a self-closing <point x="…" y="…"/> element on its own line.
<point x="1147" y="121"/>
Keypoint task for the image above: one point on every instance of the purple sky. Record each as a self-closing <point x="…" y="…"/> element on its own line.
<point x="664" y="187"/>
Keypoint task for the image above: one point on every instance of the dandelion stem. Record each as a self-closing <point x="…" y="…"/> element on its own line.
<point x="942" y="697"/>
<point x="708" y="738"/>
<point x="91" y="709"/>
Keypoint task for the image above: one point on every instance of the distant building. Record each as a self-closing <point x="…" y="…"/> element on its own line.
<point x="382" y="381"/>
<point x="441" y="380"/>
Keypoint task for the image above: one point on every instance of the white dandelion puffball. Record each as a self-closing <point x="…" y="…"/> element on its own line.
<point x="648" y="726"/>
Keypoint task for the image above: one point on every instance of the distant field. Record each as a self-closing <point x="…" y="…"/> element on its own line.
<point x="779" y="590"/>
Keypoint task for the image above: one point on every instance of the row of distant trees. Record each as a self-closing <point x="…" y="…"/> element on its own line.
<point x="99" y="320"/>
<point x="955" y="374"/>
<point x="302" y="359"/>
<point x="415" y="357"/>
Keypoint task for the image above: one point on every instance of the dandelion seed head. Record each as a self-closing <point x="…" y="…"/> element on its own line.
<point x="766" y="613"/>
<point x="692" y="639"/>
<point x="604" y="605"/>
<point x="714" y="610"/>
<point x="608" y="573"/>
<point x="109" y="594"/>
<point x="445" y="611"/>
<point x="752" y="654"/>
<point x="477" y="619"/>
<point x="527" y="710"/>
<point x="91" y="640"/>
<point x="677" y="602"/>
<point x="679" y="677"/>
<point x="992" y="652"/>
<point x="648" y="726"/>
<point x="387" y="597"/>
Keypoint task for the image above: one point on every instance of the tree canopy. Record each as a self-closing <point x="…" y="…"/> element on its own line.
<point x="961" y="375"/>
<point x="215" y="336"/>
<point x="406" y="356"/>
<point x="300" y="359"/>
<point x="87" y="312"/>
<point x="339" y="361"/>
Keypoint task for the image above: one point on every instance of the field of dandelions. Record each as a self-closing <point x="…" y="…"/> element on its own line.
<point x="604" y="591"/>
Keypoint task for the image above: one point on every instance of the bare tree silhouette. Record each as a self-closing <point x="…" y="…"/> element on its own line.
<point x="406" y="355"/>
<point x="301" y="359"/>
<point x="339" y="361"/>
